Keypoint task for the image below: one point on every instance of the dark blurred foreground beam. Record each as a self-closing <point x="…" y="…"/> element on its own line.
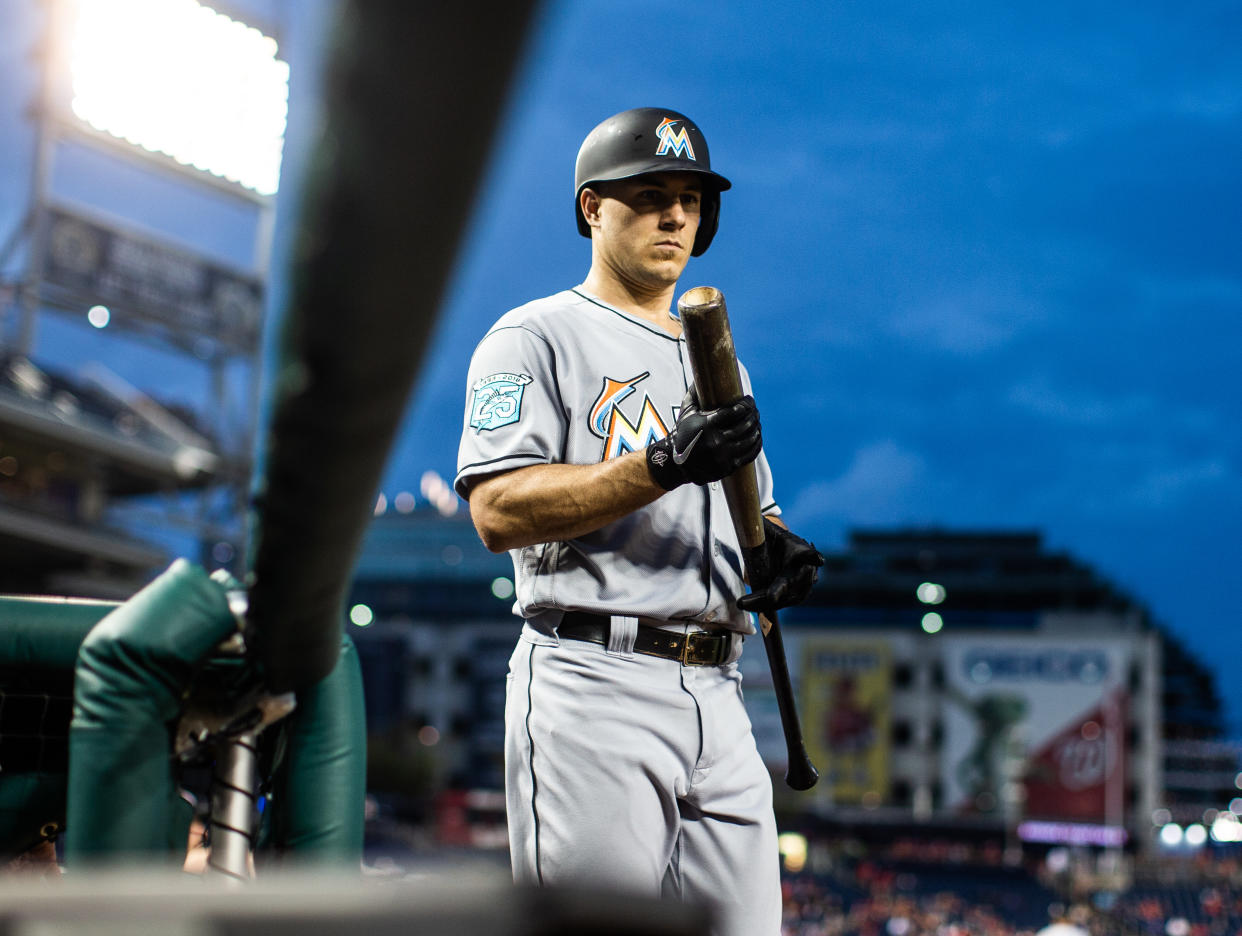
<point x="461" y="900"/>
<point x="414" y="93"/>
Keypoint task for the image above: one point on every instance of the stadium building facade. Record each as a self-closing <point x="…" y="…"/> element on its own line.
<point x="957" y="682"/>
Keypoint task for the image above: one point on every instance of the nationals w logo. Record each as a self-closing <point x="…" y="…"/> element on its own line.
<point x="673" y="142"/>
<point x="610" y="424"/>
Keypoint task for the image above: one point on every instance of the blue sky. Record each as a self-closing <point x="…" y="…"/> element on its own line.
<point x="982" y="260"/>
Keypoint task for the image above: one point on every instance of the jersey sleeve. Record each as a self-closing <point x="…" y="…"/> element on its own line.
<point x="763" y="471"/>
<point x="513" y="415"/>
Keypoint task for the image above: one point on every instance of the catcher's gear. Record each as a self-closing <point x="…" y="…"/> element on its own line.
<point x="650" y="139"/>
<point x="795" y="567"/>
<point x="706" y="446"/>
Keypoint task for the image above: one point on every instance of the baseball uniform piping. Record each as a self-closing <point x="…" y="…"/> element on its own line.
<point x="540" y="459"/>
<point x="621" y="315"/>
<point x="530" y="740"/>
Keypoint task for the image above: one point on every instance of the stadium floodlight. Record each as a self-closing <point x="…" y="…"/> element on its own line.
<point x="1226" y="828"/>
<point x="793" y="849"/>
<point x="176" y="77"/>
<point x="1171" y="834"/>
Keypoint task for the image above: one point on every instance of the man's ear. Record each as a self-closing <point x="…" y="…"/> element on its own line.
<point x="589" y="202"/>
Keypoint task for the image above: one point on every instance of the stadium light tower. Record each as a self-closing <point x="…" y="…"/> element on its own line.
<point x="189" y="106"/>
<point x="177" y="78"/>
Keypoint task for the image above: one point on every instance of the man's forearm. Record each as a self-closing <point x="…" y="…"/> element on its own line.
<point x="547" y="503"/>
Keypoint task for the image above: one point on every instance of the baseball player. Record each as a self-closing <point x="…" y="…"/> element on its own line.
<point x="630" y="761"/>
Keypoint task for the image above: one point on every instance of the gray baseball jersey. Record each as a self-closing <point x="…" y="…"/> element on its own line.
<point x="569" y="379"/>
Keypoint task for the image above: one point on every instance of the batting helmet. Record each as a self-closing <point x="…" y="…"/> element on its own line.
<point x="649" y="139"/>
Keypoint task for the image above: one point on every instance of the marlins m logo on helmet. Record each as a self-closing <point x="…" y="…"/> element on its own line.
<point x="673" y="142"/>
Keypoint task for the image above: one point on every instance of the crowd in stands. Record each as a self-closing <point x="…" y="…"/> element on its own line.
<point x="955" y="889"/>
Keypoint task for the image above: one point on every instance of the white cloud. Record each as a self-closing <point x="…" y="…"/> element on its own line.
<point x="883" y="484"/>
<point x="1164" y="487"/>
<point x="981" y="316"/>
<point x="1119" y="415"/>
<point x="1038" y="396"/>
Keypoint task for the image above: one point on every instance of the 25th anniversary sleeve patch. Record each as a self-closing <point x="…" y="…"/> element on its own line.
<point x="497" y="400"/>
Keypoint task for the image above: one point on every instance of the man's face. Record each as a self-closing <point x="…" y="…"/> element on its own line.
<point x="646" y="225"/>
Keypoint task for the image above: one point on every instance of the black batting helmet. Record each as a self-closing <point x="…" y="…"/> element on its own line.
<point x="649" y="139"/>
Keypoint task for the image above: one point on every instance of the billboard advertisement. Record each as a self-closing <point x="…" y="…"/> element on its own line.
<point x="145" y="280"/>
<point x="846" y="707"/>
<point x="1035" y="728"/>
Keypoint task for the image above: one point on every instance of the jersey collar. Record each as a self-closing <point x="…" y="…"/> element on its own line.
<point x="641" y="323"/>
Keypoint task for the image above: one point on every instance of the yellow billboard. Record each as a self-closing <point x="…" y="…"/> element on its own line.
<point x="846" y="705"/>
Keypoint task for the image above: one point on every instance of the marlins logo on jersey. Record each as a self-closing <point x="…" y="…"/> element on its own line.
<point x="673" y="142"/>
<point x="497" y="400"/>
<point x="609" y="423"/>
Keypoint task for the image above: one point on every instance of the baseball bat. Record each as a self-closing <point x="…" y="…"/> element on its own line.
<point x="718" y="382"/>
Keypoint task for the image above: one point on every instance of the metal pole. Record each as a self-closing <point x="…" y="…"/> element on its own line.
<point x="36" y="220"/>
<point x="234" y="798"/>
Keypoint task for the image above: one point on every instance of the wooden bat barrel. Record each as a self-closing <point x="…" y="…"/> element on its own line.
<point x="718" y="382"/>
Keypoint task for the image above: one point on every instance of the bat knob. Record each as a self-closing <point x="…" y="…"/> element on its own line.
<point x="801" y="774"/>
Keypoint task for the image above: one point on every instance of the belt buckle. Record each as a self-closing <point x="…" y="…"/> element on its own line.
<point x="712" y="653"/>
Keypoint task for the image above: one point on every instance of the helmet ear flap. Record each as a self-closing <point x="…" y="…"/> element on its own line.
<point x="709" y="221"/>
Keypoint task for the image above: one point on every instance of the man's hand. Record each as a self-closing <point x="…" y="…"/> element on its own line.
<point x="706" y="446"/>
<point x="795" y="567"/>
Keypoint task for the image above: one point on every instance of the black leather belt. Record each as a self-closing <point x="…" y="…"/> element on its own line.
<point x="701" y="648"/>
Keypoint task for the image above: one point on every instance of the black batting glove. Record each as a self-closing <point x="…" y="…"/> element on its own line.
<point x="706" y="446"/>
<point x="795" y="565"/>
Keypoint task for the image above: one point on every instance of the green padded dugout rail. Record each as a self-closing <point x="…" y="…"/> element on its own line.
<point x="46" y="632"/>
<point x="132" y="671"/>
<point x="109" y="779"/>
<point x="319" y="790"/>
<point x="39" y="640"/>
